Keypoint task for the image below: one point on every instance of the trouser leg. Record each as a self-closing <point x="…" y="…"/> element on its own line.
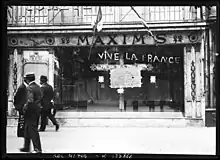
<point x="27" y="139"/>
<point x="43" y="120"/>
<point x="35" y="137"/>
<point x="51" y="117"/>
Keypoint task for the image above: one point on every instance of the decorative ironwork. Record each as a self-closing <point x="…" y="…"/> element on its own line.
<point x="15" y="77"/>
<point x="193" y="80"/>
<point x="46" y="15"/>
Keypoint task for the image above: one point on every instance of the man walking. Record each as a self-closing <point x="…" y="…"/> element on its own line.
<point x="20" y="99"/>
<point x="47" y="105"/>
<point x="20" y="96"/>
<point x="31" y="112"/>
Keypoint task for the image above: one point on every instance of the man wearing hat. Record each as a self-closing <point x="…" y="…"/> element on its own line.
<point x="31" y="112"/>
<point x="48" y="95"/>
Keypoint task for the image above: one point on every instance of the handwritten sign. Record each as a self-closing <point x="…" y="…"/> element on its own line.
<point x="149" y="58"/>
<point x="125" y="77"/>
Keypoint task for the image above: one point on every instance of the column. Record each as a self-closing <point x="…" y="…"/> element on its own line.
<point x="121" y="95"/>
<point x="202" y="86"/>
<point x="15" y="78"/>
<point x="198" y="71"/>
<point x="212" y="64"/>
<point x="51" y="68"/>
<point x="10" y="84"/>
<point x="187" y="81"/>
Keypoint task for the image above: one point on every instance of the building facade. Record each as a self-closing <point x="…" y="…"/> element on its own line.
<point x="122" y="68"/>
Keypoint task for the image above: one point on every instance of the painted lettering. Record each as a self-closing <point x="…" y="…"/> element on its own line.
<point x="156" y="58"/>
<point x="143" y="57"/>
<point x="126" y="56"/>
<point x="109" y="55"/>
<point x="149" y="58"/>
<point x="164" y="59"/>
<point x="101" y="55"/>
<point x="177" y="60"/>
<point x="170" y="60"/>
<point x="99" y="40"/>
<point x="161" y="38"/>
<point x="116" y="56"/>
<point x="112" y="39"/>
<point x="134" y="57"/>
<point x="82" y="40"/>
<point x="138" y="39"/>
<point x="124" y="39"/>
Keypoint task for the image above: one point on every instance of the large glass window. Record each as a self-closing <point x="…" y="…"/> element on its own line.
<point x="161" y="87"/>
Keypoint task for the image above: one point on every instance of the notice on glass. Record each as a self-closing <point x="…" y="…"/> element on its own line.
<point x="129" y="77"/>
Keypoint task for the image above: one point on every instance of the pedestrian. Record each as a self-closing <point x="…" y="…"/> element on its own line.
<point x="31" y="112"/>
<point x="47" y="105"/>
<point x="20" y="99"/>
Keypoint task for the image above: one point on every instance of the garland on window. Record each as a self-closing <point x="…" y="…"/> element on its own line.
<point x="107" y="67"/>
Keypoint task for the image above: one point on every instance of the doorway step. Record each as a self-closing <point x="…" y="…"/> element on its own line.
<point x="121" y="119"/>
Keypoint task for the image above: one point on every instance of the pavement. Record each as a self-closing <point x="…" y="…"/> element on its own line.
<point x="142" y="140"/>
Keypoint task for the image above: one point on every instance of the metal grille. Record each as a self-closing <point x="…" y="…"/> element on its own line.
<point x="74" y="15"/>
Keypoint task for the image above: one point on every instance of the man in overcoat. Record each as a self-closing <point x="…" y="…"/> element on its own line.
<point x="48" y="95"/>
<point x="20" y="97"/>
<point x="31" y="112"/>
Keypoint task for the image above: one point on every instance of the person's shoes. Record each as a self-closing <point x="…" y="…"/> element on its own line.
<point x="24" y="150"/>
<point x="36" y="151"/>
<point x="57" y="127"/>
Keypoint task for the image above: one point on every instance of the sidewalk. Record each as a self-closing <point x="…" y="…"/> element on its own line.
<point x="121" y="140"/>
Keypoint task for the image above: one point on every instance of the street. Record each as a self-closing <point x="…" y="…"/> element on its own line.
<point x="191" y="140"/>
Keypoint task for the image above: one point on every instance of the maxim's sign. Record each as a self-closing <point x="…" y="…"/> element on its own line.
<point x="105" y="39"/>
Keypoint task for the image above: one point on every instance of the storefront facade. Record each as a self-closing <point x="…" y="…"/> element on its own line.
<point x="125" y="65"/>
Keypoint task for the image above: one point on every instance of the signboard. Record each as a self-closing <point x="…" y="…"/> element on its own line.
<point x="36" y="56"/>
<point x="106" y="39"/>
<point x="125" y="77"/>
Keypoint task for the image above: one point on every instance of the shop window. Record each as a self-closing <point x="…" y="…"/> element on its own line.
<point x="161" y="88"/>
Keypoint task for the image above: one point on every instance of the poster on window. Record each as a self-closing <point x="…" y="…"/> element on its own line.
<point x="129" y="77"/>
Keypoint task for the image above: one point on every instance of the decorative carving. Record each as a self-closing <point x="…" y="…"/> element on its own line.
<point x="15" y="77"/>
<point x="36" y="41"/>
<point x="14" y="41"/>
<point x="50" y="40"/>
<point x="193" y="84"/>
<point x="193" y="38"/>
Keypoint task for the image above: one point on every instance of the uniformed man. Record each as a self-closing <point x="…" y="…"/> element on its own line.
<point x="48" y="95"/>
<point x="31" y="112"/>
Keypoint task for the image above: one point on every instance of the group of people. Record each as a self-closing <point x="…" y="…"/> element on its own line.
<point x="34" y="101"/>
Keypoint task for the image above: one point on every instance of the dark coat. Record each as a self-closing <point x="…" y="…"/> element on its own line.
<point x="48" y="95"/>
<point x="20" y="98"/>
<point x="32" y="107"/>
